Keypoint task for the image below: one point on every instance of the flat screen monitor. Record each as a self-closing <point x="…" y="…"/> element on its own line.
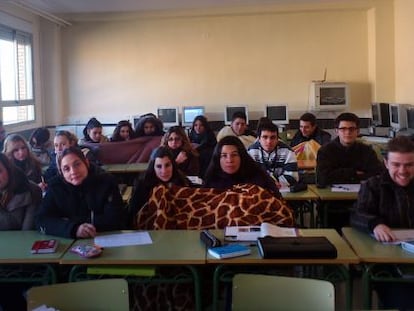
<point x="380" y="114"/>
<point x="230" y="110"/>
<point x="398" y="116"/>
<point x="190" y="112"/>
<point x="168" y="116"/>
<point x="279" y="114"/>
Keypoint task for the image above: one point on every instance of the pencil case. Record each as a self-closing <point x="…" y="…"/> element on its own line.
<point x="209" y="239"/>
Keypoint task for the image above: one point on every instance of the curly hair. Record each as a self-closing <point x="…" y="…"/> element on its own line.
<point x="116" y="136"/>
<point x="186" y="144"/>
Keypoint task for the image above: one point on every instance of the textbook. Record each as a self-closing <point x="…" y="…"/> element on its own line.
<point x="296" y="247"/>
<point x="229" y="251"/>
<point x="44" y="246"/>
<point x="251" y="233"/>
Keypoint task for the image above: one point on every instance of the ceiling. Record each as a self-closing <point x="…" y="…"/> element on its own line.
<point x="106" y="6"/>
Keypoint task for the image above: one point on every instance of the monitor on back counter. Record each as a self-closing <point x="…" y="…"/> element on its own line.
<point x="230" y="110"/>
<point x="169" y="116"/>
<point x="278" y="114"/>
<point x="190" y="112"/>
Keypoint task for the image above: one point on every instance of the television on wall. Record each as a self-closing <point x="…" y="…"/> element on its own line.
<point x="398" y="116"/>
<point x="380" y="114"/>
<point x="328" y="96"/>
<point x="230" y="110"/>
<point x="190" y="112"/>
<point x="168" y="115"/>
<point x="279" y="114"/>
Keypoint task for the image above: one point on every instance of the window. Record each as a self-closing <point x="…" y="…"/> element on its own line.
<point x="16" y="76"/>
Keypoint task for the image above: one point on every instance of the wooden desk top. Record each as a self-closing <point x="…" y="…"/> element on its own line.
<point x="345" y="253"/>
<point x="16" y="246"/>
<point x="306" y="164"/>
<point x="169" y="247"/>
<point x="125" y="168"/>
<point x="325" y="194"/>
<point x="370" y="250"/>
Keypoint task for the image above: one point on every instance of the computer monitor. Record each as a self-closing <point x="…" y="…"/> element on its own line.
<point x="230" y="110"/>
<point x="168" y="116"/>
<point x="134" y="120"/>
<point x="398" y="116"/>
<point x="410" y="118"/>
<point x="380" y="114"/>
<point x="190" y="112"/>
<point x="278" y="114"/>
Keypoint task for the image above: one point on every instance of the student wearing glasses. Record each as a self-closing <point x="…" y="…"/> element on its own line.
<point x="345" y="160"/>
<point x="186" y="157"/>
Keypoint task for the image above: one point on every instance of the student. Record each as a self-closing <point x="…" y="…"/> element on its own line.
<point x="204" y="138"/>
<point x="19" y="199"/>
<point x="17" y="150"/>
<point x="344" y="160"/>
<point x="184" y="154"/>
<point x="61" y="141"/>
<point x="123" y="131"/>
<point x="162" y="169"/>
<point x="238" y="127"/>
<point x="2" y="135"/>
<point x="149" y="125"/>
<point x="275" y="157"/>
<point x="231" y="165"/>
<point x="309" y="130"/>
<point x="18" y="204"/>
<point x="92" y="133"/>
<point x="40" y="145"/>
<point x="386" y="202"/>
<point x="82" y="201"/>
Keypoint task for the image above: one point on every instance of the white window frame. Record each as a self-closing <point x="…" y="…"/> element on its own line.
<point x="22" y="42"/>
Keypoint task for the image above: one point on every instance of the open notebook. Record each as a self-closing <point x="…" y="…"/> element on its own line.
<point x="251" y="233"/>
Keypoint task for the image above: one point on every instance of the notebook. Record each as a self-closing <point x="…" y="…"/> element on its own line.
<point x="296" y="247"/>
<point x="251" y="233"/>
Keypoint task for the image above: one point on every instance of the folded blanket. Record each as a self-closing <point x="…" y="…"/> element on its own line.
<point x="207" y="208"/>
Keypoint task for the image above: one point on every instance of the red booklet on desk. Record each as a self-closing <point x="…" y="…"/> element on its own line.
<point x="44" y="246"/>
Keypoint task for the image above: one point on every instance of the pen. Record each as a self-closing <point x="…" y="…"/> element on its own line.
<point x="43" y="180"/>
<point x="92" y="217"/>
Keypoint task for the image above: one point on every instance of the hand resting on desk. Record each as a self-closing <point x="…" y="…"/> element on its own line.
<point x="383" y="233"/>
<point x="86" y="230"/>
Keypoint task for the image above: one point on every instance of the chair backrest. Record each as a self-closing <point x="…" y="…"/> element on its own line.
<point x="270" y="292"/>
<point x="105" y="294"/>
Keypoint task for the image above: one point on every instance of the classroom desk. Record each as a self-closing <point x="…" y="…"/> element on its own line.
<point x="226" y="268"/>
<point x="325" y="195"/>
<point x="169" y="248"/>
<point x="308" y="198"/>
<point x="372" y="254"/>
<point x="126" y="168"/>
<point x="17" y="263"/>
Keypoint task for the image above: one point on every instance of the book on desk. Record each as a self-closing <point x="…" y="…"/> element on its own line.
<point x="252" y="233"/>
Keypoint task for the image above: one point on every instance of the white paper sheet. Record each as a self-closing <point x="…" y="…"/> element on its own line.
<point x="123" y="239"/>
<point x="346" y="188"/>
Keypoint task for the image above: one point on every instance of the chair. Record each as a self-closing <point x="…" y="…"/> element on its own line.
<point x="104" y="294"/>
<point x="270" y="292"/>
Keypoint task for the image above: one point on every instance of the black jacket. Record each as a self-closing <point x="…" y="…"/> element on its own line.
<point x="321" y="136"/>
<point x="382" y="201"/>
<point x="338" y="164"/>
<point x="65" y="206"/>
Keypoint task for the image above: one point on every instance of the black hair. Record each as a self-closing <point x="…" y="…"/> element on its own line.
<point x="39" y="137"/>
<point x="347" y="116"/>
<point x="203" y="121"/>
<point x="151" y="178"/>
<point x="266" y="126"/>
<point x="400" y="144"/>
<point x="239" y="115"/>
<point x="92" y="123"/>
<point x="116" y="136"/>
<point x="248" y="167"/>
<point x="308" y="117"/>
